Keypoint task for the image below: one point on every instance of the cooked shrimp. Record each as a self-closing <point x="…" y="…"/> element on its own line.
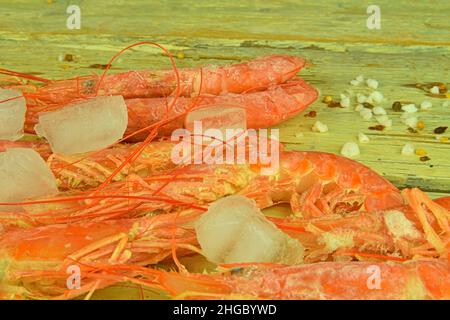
<point x="418" y="279"/>
<point x="263" y="109"/>
<point x="314" y="183"/>
<point x="259" y="73"/>
<point x="27" y="255"/>
<point x="418" y="230"/>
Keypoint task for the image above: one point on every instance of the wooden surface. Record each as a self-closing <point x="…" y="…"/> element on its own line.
<point x="413" y="45"/>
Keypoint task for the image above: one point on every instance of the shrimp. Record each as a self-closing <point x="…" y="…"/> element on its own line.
<point x="90" y="170"/>
<point x="396" y="234"/>
<point x="263" y="108"/>
<point x="149" y="240"/>
<point x="319" y="183"/>
<point x="314" y="183"/>
<point x="259" y="74"/>
<point x="28" y="255"/>
<point x="417" y="279"/>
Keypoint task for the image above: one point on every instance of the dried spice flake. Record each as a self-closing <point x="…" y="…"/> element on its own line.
<point x="334" y="104"/>
<point x="378" y="127"/>
<point x="368" y="105"/>
<point x="440" y="130"/>
<point x="424" y="158"/>
<point x="98" y="66"/>
<point x="311" y="114"/>
<point x="397" y="106"/>
<point x="68" y="57"/>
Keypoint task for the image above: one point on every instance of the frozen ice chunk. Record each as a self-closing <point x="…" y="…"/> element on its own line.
<point x="24" y="175"/>
<point x="84" y="126"/>
<point x="219" y="122"/>
<point x="235" y="230"/>
<point x="12" y="114"/>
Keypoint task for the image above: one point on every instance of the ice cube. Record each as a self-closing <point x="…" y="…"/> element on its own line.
<point x="235" y="230"/>
<point x="84" y="126"/>
<point x="227" y="122"/>
<point x="24" y="175"/>
<point x="12" y="114"/>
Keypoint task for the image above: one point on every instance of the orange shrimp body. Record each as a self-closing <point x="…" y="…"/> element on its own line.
<point x="396" y="234"/>
<point x="263" y="108"/>
<point x="27" y="255"/>
<point x="318" y="183"/>
<point x="314" y="183"/>
<point x="86" y="171"/>
<point x="238" y="78"/>
<point x="420" y="279"/>
<point x="135" y="196"/>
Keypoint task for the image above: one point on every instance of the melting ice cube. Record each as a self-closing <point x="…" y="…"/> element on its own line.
<point x="24" y="175"/>
<point x="84" y="126"/>
<point x="234" y="230"/>
<point x="12" y="114"/>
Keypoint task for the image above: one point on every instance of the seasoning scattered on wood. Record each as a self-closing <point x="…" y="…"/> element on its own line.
<point x="421" y="152"/>
<point x="368" y="105"/>
<point x="334" y="104"/>
<point x="378" y="127"/>
<point x="397" y="106"/>
<point x="68" y="57"/>
<point x="412" y="130"/>
<point x="311" y="114"/>
<point x="428" y="85"/>
<point x="440" y="130"/>
<point x="424" y="158"/>
<point x="327" y="99"/>
<point x="98" y="66"/>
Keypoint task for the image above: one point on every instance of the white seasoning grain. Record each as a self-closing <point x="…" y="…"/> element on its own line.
<point x="372" y="83"/>
<point x="411" y="122"/>
<point x="350" y="92"/>
<point x="384" y="120"/>
<point x="366" y="114"/>
<point x="360" y="78"/>
<point x="435" y="90"/>
<point x="410" y="108"/>
<point x="361" y="98"/>
<point x="426" y="105"/>
<point x="350" y="149"/>
<point x="376" y="96"/>
<point x="408" y="149"/>
<point x="378" y="111"/>
<point x="345" y="101"/>
<point x="359" y="107"/>
<point x="355" y="83"/>
<point x="319" y="127"/>
<point x="363" y="138"/>
<point x="381" y="118"/>
<point x="370" y="100"/>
